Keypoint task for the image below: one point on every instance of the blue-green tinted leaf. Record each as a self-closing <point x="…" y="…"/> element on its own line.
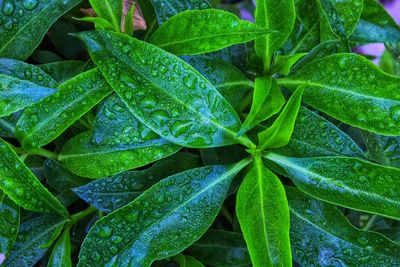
<point x="109" y="194"/>
<point x="7" y="125"/>
<point x="110" y="10"/>
<point x="383" y="149"/>
<point x="322" y="236"/>
<point x="19" y="183"/>
<point x="61" y="254"/>
<point x="62" y="71"/>
<point x="163" y="221"/>
<point x="34" y="238"/>
<point x="221" y="249"/>
<point x="9" y="223"/>
<point x="24" y="23"/>
<point x="164" y="92"/>
<point x="44" y="121"/>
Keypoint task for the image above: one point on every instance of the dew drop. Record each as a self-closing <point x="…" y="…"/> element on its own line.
<point x="30" y="4"/>
<point x="8" y="7"/>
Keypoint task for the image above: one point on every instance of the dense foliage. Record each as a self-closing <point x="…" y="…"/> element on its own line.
<point x="174" y="133"/>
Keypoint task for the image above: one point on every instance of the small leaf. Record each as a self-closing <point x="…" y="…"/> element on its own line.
<point x="109" y="194"/>
<point x="99" y="22"/>
<point x="283" y="64"/>
<point x="278" y="16"/>
<point x="322" y="236"/>
<point x="19" y="183"/>
<point x="9" y="221"/>
<point x="162" y="221"/>
<point x="61" y="254"/>
<point x="64" y="70"/>
<point x="279" y="133"/>
<point x="44" y="121"/>
<point x="371" y="93"/>
<point x="200" y="31"/>
<point x="128" y="25"/>
<point x="34" y="238"/>
<point x="267" y="101"/>
<point x="383" y="149"/>
<point x="7" y="125"/>
<point x="20" y="35"/>
<point x="183" y="108"/>
<point x="110" y="10"/>
<point x="344" y="181"/>
<point x="263" y="214"/>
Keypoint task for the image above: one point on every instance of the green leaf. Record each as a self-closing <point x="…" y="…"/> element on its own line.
<point x="376" y="25"/>
<point x="19" y="183"/>
<point x="275" y="15"/>
<point x="263" y="214"/>
<point x="85" y="158"/>
<point x="267" y="101"/>
<point x="9" y="221"/>
<point x="185" y="108"/>
<point x="345" y="181"/>
<point x="322" y="236"/>
<point x="314" y="136"/>
<point x="128" y="21"/>
<point x="187" y="261"/>
<point x="283" y="64"/>
<point x="20" y="35"/>
<point x="44" y="121"/>
<point x="342" y="15"/>
<point x="34" y="238"/>
<point x="61" y="254"/>
<point x="16" y="94"/>
<point x="221" y="249"/>
<point x="350" y="80"/>
<point x="279" y="133"/>
<point x="7" y="125"/>
<point x="162" y="221"/>
<point x="64" y="70"/>
<point x="99" y="22"/>
<point x="111" y="193"/>
<point x="110" y="10"/>
<point x="383" y="149"/>
<point x="200" y="31"/>
<point x="24" y="71"/>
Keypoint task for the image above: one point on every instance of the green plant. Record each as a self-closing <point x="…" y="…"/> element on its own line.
<point x="213" y="141"/>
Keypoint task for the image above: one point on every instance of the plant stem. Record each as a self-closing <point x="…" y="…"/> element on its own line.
<point x="80" y="215"/>
<point x="370" y="222"/>
<point x="43" y="152"/>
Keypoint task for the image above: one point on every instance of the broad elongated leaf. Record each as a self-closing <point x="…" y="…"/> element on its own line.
<point x="16" y="94"/>
<point x="9" y="221"/>
<point x="34" y="238"/>
<point x="20" y="35"/>
<point x="275" y="15"/>
<point x="279" y="133"/>
<point x="61" y="254"/>
<point x="383" y="149"/>
<point x="164" y="92"/>
<point x="162" y="221"/>
<point x="375" y="25"/>
<point x="345" y="181"/>
<point x="111" y="10"/>
<point x="322" y="236"/>
<point x="42" y="122"/>
<point x="349" y="80"/>
<point x="111" y="193"/>
<point x="263" y="214"/>
<point x="267" y="101"/>
<point x="64" y="70"/>
<point x="24" y="71"/>
<point x="19" y="183"/>
<point x="221" y="249"/>
<point x="314" y="136"/>
<point x="200" y="31"/>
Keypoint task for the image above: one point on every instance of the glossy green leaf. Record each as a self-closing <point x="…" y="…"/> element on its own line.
<point x="24" y="71"/>
<point x="85" y="158"/>
<point x="383" y="149"/>
<point x="61" y="254"/>
<point x="263" y="214"/>
<point x="345" y="181"/>
<point x="64" y="70"/>
<point x="350" y="80"/>
<point x="279" y="133"/>
<point x="162" y="221"/>
<point x="322" y="236"/>
<point x="200" y="31"/>
<point x="221" y="249"/>
<point x="267" y="101"/>
<point x="19" y="183"/>
<point x="34" y="238"/>
<point x="128" y="21"/>
<point x="99" y="23"/>
<point x="183" y="108"/>
<point x="314" y="136"/>
<point x="16" y="94"/>
<point x="283" y="64"/>
<point x="375" y="25"/>
<point x="275" y="15"/>
<point x="342" y="15"/>
<point x="44" y="121"/>
<point x="110" y="10"/>
<point x="24" y="24"/>
<point x="9" y="224"/>
<point x="109" y="194"/>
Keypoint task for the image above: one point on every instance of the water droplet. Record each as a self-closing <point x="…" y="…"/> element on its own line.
<point x="8" y="7"/>
<point x="342" y="63"/>
<point x="149" y="102"/>
<point x="30" y="4"/>
<point x="190" y="82"/>
<point x="104" y="231"/>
